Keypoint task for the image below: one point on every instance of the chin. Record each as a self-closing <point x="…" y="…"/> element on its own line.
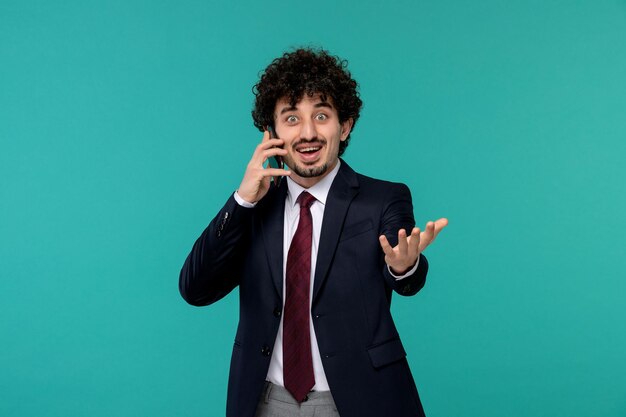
<point x="310" y="172"/>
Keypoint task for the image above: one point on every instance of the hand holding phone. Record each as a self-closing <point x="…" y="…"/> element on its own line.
<point x="258" y="177"/>
<point x="275" y="161"/>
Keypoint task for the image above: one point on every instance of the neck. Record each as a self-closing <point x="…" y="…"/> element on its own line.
<point x="308" y="182"/>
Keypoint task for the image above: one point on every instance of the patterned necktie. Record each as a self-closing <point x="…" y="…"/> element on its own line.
<point x="297" y="360"/>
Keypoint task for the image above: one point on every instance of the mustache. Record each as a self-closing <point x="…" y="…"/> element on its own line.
<point x="316" y="141"/>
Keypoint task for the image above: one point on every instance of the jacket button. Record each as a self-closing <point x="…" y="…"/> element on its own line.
<point x="277" y="312"/>
<point x="266" y="351"/>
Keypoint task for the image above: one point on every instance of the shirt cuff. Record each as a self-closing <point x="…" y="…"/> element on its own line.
<point x="411" y="271"/>
<point x="242" y="202"/>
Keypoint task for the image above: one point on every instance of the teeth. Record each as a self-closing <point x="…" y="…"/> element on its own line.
<point x="309" y="149"/>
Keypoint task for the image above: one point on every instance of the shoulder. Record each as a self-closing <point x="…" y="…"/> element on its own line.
<point x="367" y="183"/>
<point x="382" y="188"/>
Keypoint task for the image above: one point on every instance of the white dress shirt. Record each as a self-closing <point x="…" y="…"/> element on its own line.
<point x="291" y="219"/>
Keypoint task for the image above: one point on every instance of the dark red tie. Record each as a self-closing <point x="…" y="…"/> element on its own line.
<point x="297" y="360"/>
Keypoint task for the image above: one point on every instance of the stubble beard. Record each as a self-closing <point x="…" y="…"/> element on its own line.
<point x="310" y="172"/>
<point x="304" y="171"/>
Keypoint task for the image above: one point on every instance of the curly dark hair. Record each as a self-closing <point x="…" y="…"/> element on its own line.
<point x="306" y="71"/>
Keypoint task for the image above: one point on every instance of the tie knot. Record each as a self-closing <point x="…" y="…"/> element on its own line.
<point x="305" y="200"/>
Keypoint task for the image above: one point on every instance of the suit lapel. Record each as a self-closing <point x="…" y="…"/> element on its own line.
<point x="344" y="188"/>
<point x="272" y="227"/>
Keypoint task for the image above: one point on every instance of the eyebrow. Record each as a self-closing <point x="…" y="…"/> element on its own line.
<point x="317" y="106"/>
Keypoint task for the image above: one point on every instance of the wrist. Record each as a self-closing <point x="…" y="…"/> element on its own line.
<point x="242" y="201"/>
<point x="395" y="271"/>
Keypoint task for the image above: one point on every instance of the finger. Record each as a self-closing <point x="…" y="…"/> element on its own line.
<point x="429" y="233"/>
<point x="402" y="243"/>
<point x="258" y="157"/>
<point x="439" y="225"/>
<point x="275" y="172"/>
<point x="266" y="136"/>
<point x="270" y="143"/>
<point x="273" y="152"/>
<point x="426" y="237"/>
<point x="414" y="240"/>
<point x="384" y="244"/>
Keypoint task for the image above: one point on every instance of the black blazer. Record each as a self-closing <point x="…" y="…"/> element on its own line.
<point x="361" y="351"/>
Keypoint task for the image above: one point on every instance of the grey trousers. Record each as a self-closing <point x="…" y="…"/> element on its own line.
<point x="276" y="401"/>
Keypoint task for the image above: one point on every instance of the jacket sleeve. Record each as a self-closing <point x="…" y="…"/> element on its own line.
<point x="213" y="267"/>
<point x="398" y="214"/>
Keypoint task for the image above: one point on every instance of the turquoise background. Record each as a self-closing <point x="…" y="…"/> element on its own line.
<point x="125" y="125"/>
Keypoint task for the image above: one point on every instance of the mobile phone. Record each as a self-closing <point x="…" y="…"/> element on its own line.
<point x="275" y="161"/>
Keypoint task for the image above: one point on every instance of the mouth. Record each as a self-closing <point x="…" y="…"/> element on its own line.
<point x="309" y="152"/>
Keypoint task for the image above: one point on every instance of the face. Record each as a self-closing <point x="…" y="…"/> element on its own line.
<point x="312" y="133"/>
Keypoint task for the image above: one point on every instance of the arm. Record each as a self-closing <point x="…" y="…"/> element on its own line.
<point x="212" y="268"/>
<point x="403" y="252"/>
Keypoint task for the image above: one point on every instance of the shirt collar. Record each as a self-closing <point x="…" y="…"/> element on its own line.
<point x="319" y="190"/>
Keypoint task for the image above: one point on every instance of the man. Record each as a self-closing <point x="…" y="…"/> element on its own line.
<point x="316" y="257"/>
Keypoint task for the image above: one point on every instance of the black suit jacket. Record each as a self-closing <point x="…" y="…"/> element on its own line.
<point x="362" y="354"/>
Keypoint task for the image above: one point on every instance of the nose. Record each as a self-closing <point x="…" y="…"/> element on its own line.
<point x="308" y="130"/>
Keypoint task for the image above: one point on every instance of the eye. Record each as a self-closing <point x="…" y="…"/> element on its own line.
<point x="291" y="119"/>
<point x="321" y="116"/>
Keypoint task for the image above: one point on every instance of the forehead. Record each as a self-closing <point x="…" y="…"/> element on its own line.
<point x="284" y="103"/>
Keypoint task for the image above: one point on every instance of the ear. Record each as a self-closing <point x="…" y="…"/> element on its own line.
<point x="346" y="127"/>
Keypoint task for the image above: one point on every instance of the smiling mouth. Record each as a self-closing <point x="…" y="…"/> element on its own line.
<point x="309" y="149"/>
<point x="310" y="152"/>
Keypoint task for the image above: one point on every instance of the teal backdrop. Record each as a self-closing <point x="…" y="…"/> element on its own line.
<point x="125" y="125"/>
